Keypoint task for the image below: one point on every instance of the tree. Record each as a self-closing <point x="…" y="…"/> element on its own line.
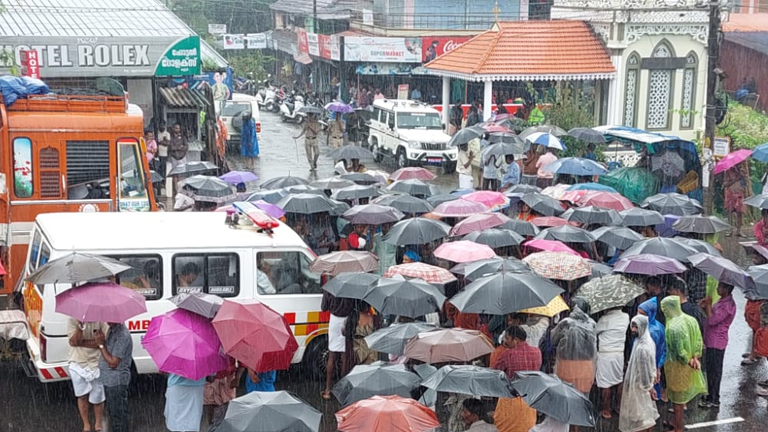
<point x="253" y="64"/>
<point x="240" y="16"/>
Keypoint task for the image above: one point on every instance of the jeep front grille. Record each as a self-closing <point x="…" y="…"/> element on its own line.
<point x="433" y="146"/>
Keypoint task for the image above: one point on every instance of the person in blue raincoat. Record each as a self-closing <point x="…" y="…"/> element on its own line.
<point x="657" y="331"/>
<point x="249" y="142"/>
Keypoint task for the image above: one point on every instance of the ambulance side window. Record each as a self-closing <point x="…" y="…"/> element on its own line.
<point x="214" y="273"/>
<point x="285" y="273"/>
<point x="145" y="275"/>
<point x="34" y="251"/>
<point x="45" y="254"/>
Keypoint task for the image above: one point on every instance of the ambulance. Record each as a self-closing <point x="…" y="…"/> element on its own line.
<point x="171" y="253"/>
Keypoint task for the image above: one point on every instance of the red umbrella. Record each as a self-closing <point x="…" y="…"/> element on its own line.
<point x="550" y="221"/>
<point x="609" y="200"/>
<point x="409" y="173"/>
<point x="463" y="251"/>
<point x="550" y="246"/>
<point x="478" y="222"/>
<point x="386" y="414"/>
<point x="256" y="335"/>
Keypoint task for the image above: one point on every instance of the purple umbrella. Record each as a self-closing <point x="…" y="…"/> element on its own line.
<point x="270" y="209"/>
<point x="100" y="302"/>
<point x="649" y="264"/>
<point x="235" y="177"/>
<point x="184" y="343"/>
<point x="339" y="107"/>
<point x="722" y="269"/>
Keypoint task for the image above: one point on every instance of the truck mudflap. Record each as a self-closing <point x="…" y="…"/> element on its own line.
<point x="26" y="364"/>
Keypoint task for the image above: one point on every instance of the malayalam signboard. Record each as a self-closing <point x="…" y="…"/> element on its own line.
<point x="434" y="47"/>
<point x="382" y="49"/>
<point x="256" y="40"/>
<point x="217" y="29"/>
<point x="234" y="41"/>
<point x="721" y="147"/>
<point x="303" y="42"/>
<point x="65" y="57"/>
<point x="313" y="44"/>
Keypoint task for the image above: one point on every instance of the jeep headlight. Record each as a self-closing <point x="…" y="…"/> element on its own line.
<point x="414" y="144"/>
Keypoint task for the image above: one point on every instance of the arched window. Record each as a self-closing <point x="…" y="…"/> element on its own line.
<point x="660" y="82"/>
<point x="687" y="107"/>
<point x="631" y="88"/>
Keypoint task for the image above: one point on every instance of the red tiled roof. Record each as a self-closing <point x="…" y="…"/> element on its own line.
<point x="528" y="50"/>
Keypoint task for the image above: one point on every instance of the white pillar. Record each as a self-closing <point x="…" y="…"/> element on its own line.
<point x="446" y="101"/>
<point x="615" y="93"/>
<point x="487" y="99"/>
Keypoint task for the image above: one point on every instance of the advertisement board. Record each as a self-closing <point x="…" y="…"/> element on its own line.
<point x="234" y="41"/>
<point x="256" y="40"/>
<point x="313" y="44"/>
<point x="434" y="47"/>
<point x="382" y="49"/>
<point x="30" y="64"/>
<point x="303" y="42"/>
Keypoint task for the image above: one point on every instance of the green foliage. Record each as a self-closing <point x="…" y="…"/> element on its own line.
<point x="240" y="16"/>
<point x="8" y="60"/>
<point x="746" y="127"/>
<point x="569" y="106"/>
<point x="252" y="63"/>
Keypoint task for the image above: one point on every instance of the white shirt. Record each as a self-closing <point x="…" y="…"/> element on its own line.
<point x="162" y="150"/>
<point x="550" y="425"/>
<point x="263" y="284"/>
<point x="481" y="426"/>
<point x="340" y="168"/>
<point x="464" y="160"/>
<point x="536" y="331"/>
<point x="611" y="331"/>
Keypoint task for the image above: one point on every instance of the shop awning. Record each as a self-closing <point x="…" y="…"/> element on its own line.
<point x="183" y="98"/>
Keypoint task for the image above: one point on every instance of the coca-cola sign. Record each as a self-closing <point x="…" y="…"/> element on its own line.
<point x="433" y="47"/>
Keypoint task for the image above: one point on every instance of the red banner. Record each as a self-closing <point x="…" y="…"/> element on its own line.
<point x="433" y="47"/>
<point x="30" y="63"/>
<point x="325" y="46"/>
<point x="301" y="34"/>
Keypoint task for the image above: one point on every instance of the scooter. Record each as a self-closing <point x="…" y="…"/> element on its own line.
<point x="266" y="97"/>
<point x="289" y="110"/>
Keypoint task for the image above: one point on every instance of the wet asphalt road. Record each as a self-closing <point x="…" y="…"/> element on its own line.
<point x="29" y="406"/>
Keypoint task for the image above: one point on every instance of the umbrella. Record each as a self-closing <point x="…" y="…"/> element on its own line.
<point x="550" y="246"/>
<point x="558" y="265"/>
<point x="459" y="208"/>
<point x="759" y="275"/>
<point x="543" y="204"/>
<point x="339" y="107"/>
<point x="392" y="339"/>
<point x="256" y="335"/>
<point x="335" y="263"/>
<point x="495" y="238"/>
<point x="700" y="224"/>
<point x="722" y="269"/>
<point x="552" y="308"/>
<point x="731" y="160"/>
<point x="192" y="167"/>
<point x="611" y="200"/>
<point x="549" y="222"/>
<point x="411" y="298"/>
<point x="591" y="187"/>
<point x="466" y="135"/>
<point x="100" y="302"/>
<point x="350" y="193"/>
<point x="278" y="411"/>
<point x="372" y="214"/>
<point x="576" y="166"/>
<point x="154" y="177"/>
<point x="640" y="217"/>
<point x="416" y="231"/>
<point x="471" y="380"/>
<point x="649" y="264"/>
<point x="503" y="148"/>
<point x="669" y="164"/>
<point x="554" y="398"/>
<point x="490" y="199"/>
<point x="609" y="292"/>
<point x="360" y="178"/>
<point x="272" y="196"/>
<point x="760" y="153"/>
<point x="309" y="109"/>
<point x="524" y="228"/>
<point x="587" y="135"/>
<point x="235" y="177"/>
<point x="412" y="173"/>
<point x="414" y="187"/>
<point x="699" y="245"/>
<point x="332" y="183"/>
<point x="281" y="182"/>
<point x="475" y="270"/>
<point x="479" y="222"/>
<point x="566" y="234"/>
<point x="672" y="204"/>
<point x="351" y="285"/>
<point x="595" y="215"/>
<point x="418" y="270"/>
<point x="270" y="209"/>
<point x="405" y="203"/>
<point x="505" y="293"/>
<point x="184" y="343"/>
<point x="207" y="186"/>
<point x="463" y="251"/>
<point x="523" y="189"/>
<point x="197" y="196"/>
<point x="298" y="189"/>
<point x="305" y="204"/>
<point x="378" y="379"/>
<point x="759" y="201"/>
<point x="448" y="345"/>
<point x="621" y="238"/>
<point x="386" y="414"/>
<point x="350" y="152"/>
<point x="550" y="129"/>
<point x="661" y="246"/>
<point x="200" y="303"/>
<point x="546" y="140"/>
<point x="75" y="268"/>
<point x="436" y="200"/>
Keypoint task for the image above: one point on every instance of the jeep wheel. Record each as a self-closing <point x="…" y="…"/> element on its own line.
<point x="377" y="156"/>
<point x="402" y="159"/>
<point x="449" y="168"/>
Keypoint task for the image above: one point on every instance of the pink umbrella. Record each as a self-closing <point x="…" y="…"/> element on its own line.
<point x="489" y="199"/>
<point x="492" y="127"/>
<point x="100" y="302"/>
<point x="574" y="196"/>
<point x="550" y="221"/>
<point x="549" y="246"/>
<point x="409" y="173"/>
<point x="184" y="343"/>
<point x="463" y="251"/>
<point x="732" y="159"/>
<point x="270" y="209"/>
<point x="478" y="222"/>
<point x="609" y="200"/>
<point x="459" y="208"/>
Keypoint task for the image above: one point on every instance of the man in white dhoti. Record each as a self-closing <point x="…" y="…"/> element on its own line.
<point x="611" y="334"/>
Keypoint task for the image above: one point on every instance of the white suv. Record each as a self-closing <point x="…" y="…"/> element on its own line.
<point x="412" y="133"/>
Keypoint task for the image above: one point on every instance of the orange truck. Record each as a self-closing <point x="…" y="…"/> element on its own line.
<point x="74" y="153"/>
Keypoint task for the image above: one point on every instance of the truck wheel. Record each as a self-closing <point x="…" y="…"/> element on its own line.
<point x="377" y="156"/>
<point x="402" y="159"/>
<point x="315" y="358"/>
<point x="449" y="168"/>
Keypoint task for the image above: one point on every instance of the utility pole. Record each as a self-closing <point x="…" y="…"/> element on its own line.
<point x="314" y="17"/>
<point x="713" y="81"/>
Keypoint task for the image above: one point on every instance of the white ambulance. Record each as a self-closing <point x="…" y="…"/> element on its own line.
<point x="233" y="261"/>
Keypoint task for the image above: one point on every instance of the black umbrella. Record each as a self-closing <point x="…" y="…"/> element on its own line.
<point x="355" y="192"/>
<point x="495" y="238"/>
<point x="350" y="152"/>
<point x="310" y="109"/>
<point x="154" y="177"/>
<point x="272" y="196"/>
<point x="566" y="234"/>
<point x="672" y="204"/>
<point x="621" y="238"/>
<point x="192" y="167"/>
<point x="759" y="201"/>
<point x="392" y="339"/>
<point x="200" y="303"/>
<point x="414" y="187"/>
<point x="506" y="138"/>
<point x="372" y="214"/>
<point x="405" y="203"/>
<point x="554" y="398"/>
<point x="282" y="182"/>
<point x="298" y="189"/>
<point x="666" y="247"/>
<point x="554" y="130"/>
<point x="332" y="183"/>
<point x="208" y="186"/>
<point x="75" y="268"/>
<point x="305" y="204"/>
<point x="505" y="293"/>
<point x="759" y="276"/>
<point x="722" y="269"/>
<point x="599" y="269"/>
<point x="470" y="380"/>
<point x="543" y="204"/>
<point x="411" y="298"/>
<point x="639" y="217"/>
<point x="360" y="178"/>
<point x="502" y="149"/>
<point x="522" y="189"/>
<point x="436" y="200"/>
<point x="339" y="207"/>
<point x="524" y="228"/>
<point x="478" y="269"/>
<point x="351" y="285"/>
<point x="587" y="135"/>
<point x="379" y="378"/>
<point x="700" y="224"/>
<point x="466" y="135"/>
<point x="699" y="245"/>
<point x="594" y="215"/>
<point x="416" y="231"/>
<point x="278" y="411"/>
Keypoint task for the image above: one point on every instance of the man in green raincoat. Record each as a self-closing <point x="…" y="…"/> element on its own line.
<point x="682" y="368"/>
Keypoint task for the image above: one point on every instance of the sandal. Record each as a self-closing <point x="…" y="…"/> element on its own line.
<point x="748" y="361"/>
<point x="326" y="395"/>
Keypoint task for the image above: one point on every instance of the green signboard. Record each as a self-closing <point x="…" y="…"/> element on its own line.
<point x="181" y="58"/>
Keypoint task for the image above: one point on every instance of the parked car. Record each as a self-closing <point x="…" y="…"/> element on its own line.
<point x="232" y="115"/>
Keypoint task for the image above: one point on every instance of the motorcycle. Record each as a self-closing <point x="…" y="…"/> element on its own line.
<point x="266" y="97"/>
<point x="289" y="110"/>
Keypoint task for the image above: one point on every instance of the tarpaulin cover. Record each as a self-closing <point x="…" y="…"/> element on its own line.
<point x="13" y="88"/>
<point x="635" y="183"/>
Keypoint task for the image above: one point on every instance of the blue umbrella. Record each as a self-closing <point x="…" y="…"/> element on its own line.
<point x="761" y="153"/>
<point x="546" y="139"/>
<point x="593" y="187"/>
<point x="576" y="166"/>
<point x="461" y="192"/>
<point x="339" y="107"/>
